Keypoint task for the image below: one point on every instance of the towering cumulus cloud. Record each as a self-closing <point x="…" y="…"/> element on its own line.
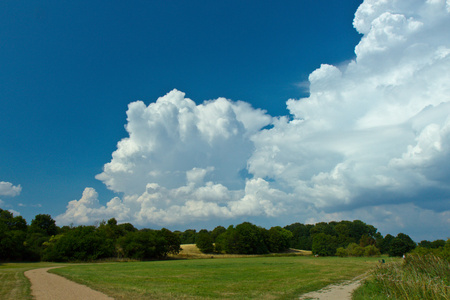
<point x="371" y="141"/>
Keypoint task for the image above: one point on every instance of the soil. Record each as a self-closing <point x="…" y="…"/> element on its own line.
<point x="47" y="286"/>
<point x="341" y="291"/>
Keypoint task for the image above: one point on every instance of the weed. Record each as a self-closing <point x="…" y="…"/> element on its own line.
<point x="416" y="277"/>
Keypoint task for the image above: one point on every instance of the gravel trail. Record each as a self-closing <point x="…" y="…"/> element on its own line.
<point x="341" y="291"/>
<point x="47" y="286"/>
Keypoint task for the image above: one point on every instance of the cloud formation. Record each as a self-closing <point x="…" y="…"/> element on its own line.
<point x="8" y="189"/>
<point x="373" y="138"/>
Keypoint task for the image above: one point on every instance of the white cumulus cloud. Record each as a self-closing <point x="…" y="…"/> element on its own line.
<point x="8" y="189"/>
<point x="373" y="138"/>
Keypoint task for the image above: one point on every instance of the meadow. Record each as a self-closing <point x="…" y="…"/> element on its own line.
<point x="270" y="277"/>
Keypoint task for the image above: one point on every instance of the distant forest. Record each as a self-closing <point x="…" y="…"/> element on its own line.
<point x="42" y="240"/>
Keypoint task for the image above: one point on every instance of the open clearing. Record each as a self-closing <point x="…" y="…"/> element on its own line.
<point x="232" y="278"/>
<point x="288" y="276"/>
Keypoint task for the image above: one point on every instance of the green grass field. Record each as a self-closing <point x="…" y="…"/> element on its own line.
<point x="231" y="278"/>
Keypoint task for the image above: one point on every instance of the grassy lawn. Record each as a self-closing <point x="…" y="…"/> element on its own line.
<point x="283" y="277"/>
<point x="14" y="285"/>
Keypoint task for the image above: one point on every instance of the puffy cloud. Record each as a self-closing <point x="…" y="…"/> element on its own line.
<point x="8" y="189"/>
<point x="376" y="132"/>
<point x="88" y="209"/>
<point x="371" y="140"/>
<point x="174" y="135"/>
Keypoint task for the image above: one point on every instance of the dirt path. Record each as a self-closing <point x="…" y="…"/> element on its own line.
<point x="341" y="291"/>
<point x="47" y="286"/>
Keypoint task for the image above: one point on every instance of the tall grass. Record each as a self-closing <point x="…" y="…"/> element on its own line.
<point x="417" y="277"/>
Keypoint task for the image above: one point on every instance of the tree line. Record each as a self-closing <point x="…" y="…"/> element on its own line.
<point x="344" y="238"/>
<point x="43" y="240"/>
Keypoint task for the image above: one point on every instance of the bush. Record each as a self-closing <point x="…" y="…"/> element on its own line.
<point x="355" y="250"/>
<point x="371" y="250"/>
<point x="341" y="252"/>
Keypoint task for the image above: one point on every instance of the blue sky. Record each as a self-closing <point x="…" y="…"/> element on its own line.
<point x="71" y="73"/>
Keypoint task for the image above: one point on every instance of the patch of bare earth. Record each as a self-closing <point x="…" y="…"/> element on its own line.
<point x="47" y="286"/>
<point x="341" y="291"/>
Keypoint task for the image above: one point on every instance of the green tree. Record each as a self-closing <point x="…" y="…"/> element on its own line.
<point x="366" y="240"/>
<point x="44" y="223"/>
<point x="278" y="239"/>
<point x="125" y="228"/>
<point x="398" y="247"/>
<point x="301" y="237"/>
<point x="343" y="231"/>
<point x="143" y="244"/>
<point x="204" y="241"/>
<point x="323" y="227"/>
<point x="401" y="245"/>
<point x="245" y="238"/>
<point x="217" y="231"/>
<point x="12" y="245"/>
<point x="385" y="244"/>
<point x="82" y="243"/>
<point x="408" y="241"/>
<point x="173" y="243"/>
<point x="12" y="237"/>
<point x="324" y="244"/>
<point x="188" y="236"/>
<point x="437" y="244"/>
<point x="425" y="244"/>
<point x="358" y="228"/>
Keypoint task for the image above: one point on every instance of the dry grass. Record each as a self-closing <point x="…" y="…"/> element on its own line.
<point x="191" y="251"/>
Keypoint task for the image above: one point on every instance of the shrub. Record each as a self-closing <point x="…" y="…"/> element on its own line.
<point x="341" y="252"/>
<point x="371" y="250"/>
<point x="355" y="250"/>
